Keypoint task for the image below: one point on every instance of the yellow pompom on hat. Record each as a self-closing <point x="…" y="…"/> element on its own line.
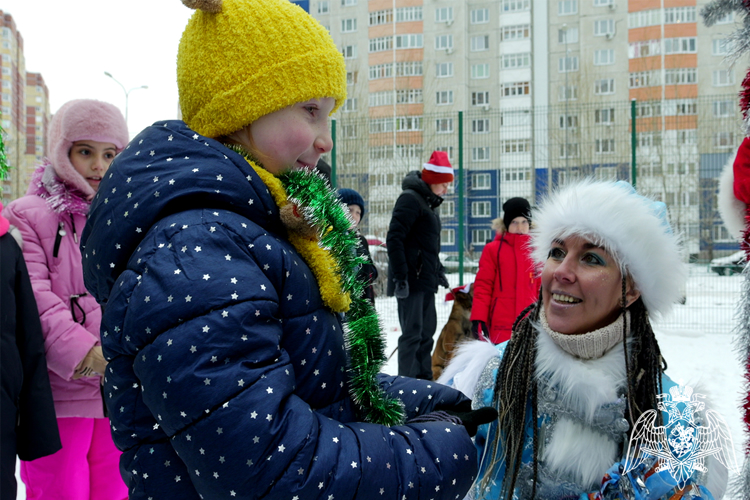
<point x="242" y="59"/>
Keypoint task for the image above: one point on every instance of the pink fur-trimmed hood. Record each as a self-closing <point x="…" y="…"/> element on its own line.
<point x="60" y="197"/>
<point x="78" y="120"/>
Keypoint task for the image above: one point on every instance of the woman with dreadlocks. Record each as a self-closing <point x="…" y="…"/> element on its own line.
<point x="583" y="364"/>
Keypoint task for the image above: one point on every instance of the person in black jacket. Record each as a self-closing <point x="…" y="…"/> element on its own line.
<point x="414" y="269"/>
<point x="28" y="427"/>
<point x="368" y="273"/>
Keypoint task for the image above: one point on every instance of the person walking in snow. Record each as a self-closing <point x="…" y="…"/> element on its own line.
<point x="506" y="281"/>
<point x="224" y="261"/>
<point x="414" y="267"/>
<point x="84" y="137"/>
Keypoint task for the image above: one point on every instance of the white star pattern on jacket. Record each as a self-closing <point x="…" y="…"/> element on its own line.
<point x="204" y="374"/>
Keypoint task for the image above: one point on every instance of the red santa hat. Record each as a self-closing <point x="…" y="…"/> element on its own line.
<point x="459" y="289"/>
<point x="438" y="169"/>
<point x="734" y="191"/>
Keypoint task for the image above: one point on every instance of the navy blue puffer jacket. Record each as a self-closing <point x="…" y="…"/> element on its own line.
<point x="228" y="377"/>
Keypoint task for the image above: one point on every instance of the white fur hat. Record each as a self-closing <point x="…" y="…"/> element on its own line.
<point x="632" y="228"/>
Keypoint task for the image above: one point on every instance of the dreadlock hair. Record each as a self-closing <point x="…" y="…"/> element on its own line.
<point x="515" y="386"/>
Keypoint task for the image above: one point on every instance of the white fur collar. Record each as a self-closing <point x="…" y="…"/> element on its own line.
<point x="574" y="450"/>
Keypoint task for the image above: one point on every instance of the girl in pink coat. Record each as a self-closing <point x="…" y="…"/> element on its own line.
<point x="84" y="137"/>
<point x="506" y="281"/>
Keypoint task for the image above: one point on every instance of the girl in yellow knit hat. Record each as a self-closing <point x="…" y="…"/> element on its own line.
<point x="224" y="265"/>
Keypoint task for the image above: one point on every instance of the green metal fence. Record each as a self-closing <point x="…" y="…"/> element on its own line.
<point x="674" y="153"/>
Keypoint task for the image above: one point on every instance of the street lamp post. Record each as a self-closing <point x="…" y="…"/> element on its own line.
<point x="127" y="92"/>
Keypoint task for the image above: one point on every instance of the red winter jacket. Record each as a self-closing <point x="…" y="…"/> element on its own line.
<point x="505" y="284"/>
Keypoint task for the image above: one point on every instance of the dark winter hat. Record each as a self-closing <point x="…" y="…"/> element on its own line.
<point x="515" y="207"/>
<point x="438" y="169"/>
<point x="351" y="197"/>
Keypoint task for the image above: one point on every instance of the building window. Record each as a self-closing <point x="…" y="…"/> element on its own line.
<point x="444" y="69"/>
<point x="515" y="89"/>
<point x="480" y="154"/>
<point x="381" y="17"/>
<point x="517" y="174"/>
<point x="479" y="71"/>
<point x="569" y="93"/>
<point x="348" y="3"/>
<point x="516" y="32"/>
<point x="480" y="98"/>
<point x="409" y="41"/>
<point x="381" y="44"/>
<point x="511" y="146"/>
<point x="349" y="105"/>
<point x="349" y="51"/>
<point x="351" y="77"/>
<point x="606" y="173"/>
<point x="480" y="16"/>
<point x="481" y="209"/>
<point x="408" y="96"/>
<point x="447" y="209"/>
<point x="323" y="7"/>
<point x="447" y="237"/>
<point x="604" y="57"/>
<point x="479" y="43"/>
<point x="681" y="45"/>
<point x="480" y="126"/>
<point x="481" y="236"/>
<point x="604" y="146"/>
<point x="567" y="35"/>
<point x="604" y="86"/>
<point x="569" y="121"/>
<point x="724" y="140"/>
<point x="644" y="79"/>
<point x="444" y="14"/>
<point x="515" y="61"/>
<point x="349" y="25"/>
<point x="571" y="151"/>
<point x="443" y="42"/>
<point x="444" y="125"/>
<point x="567" y="64"/>
<point x="407" y="123"/>
<point x="723" y="77"/>
<point x="687" y="137"/>
<point x="721" y="46"/>
<point x="515" y="5"/>
<point x="604" y="27"/>
<point x="680" y="76"/>
<point x="406" y="14"/>
<point x="674" y="15"/>
<point x="604" y="116"/>
<point x="448" y="150"/>
<point x="349" y="131"/>
<point x="603" y="3"/>
<point x="444" y="97"/>
<point x="481" y="181"/>
<point x="644" y="48"/>
<point x="727" y="19"/>
<point x="567" y="7"/>
<point x="723" y="109"/>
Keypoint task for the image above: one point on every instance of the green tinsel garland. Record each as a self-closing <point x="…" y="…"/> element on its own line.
<point x="364" y="340"/>
<point x="4" y="167"/>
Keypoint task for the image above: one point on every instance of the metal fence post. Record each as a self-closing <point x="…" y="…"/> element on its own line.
<point x="460" y="238"/>
<point x="633" y="142"/>
<point x="333" y="153"/>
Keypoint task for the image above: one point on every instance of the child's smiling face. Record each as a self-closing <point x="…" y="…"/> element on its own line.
<point x="293" y="137"/>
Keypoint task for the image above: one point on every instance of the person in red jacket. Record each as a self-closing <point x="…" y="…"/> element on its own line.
<point x="506" y="282"/>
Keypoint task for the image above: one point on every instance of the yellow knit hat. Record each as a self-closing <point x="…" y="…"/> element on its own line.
<point x="242" y="59"/>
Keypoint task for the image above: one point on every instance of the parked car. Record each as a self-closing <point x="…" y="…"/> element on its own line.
<point x="729" y="265"/>
<point x="450" y="262"/>
<point x="379" y="256"/>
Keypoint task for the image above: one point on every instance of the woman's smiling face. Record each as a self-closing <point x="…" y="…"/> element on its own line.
<point x="582" y="287"/>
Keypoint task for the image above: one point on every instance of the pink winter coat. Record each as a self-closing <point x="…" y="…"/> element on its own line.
<point x="505" y="285"/>
<point x="56" y="280"/>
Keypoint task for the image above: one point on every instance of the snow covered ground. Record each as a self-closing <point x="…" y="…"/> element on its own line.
<point x="700" y="353"/>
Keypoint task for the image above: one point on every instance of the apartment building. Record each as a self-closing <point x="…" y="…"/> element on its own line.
<point x="24" y="111"/>
<point x="539" y="93"/>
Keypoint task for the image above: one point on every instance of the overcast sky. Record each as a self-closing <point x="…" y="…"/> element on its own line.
<point x="72" y="43"/>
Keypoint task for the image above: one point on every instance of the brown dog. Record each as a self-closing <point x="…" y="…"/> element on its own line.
<point x="456" y="330"/>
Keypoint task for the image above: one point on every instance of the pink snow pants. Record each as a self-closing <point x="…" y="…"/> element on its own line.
<point x="86" y="468"/>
